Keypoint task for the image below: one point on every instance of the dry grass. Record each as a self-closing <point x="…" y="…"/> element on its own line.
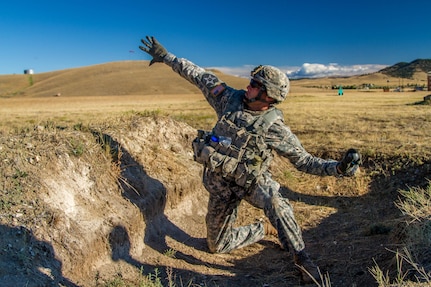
<point x="413" y="259"/>
<point x="376" y="122"/>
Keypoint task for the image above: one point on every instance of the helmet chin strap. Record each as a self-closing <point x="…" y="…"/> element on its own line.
<point x="257" y="98"/>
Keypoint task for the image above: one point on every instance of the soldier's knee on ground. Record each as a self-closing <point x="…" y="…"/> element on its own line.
<point x="211" y="246"/>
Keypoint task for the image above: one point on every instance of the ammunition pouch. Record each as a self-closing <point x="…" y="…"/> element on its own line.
<point x="235" y="162"/>
<point x="247" y="156"/>
<point x="201" y="149"/>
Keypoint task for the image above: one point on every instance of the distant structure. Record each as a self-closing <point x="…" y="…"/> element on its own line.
<point x="429" y="81"/>
<point x="28" y="72"/>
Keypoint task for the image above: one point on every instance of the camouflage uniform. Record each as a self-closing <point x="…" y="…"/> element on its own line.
<point x="226" y="195"/>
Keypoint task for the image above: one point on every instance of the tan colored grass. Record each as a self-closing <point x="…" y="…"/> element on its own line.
<point x="383" y="122"/>
<point x="375" y="122"/>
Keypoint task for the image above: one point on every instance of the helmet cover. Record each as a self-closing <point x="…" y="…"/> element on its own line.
<point x="275" y="81"/>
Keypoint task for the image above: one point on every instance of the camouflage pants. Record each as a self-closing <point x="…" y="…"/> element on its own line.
<point x="224" y="200"/>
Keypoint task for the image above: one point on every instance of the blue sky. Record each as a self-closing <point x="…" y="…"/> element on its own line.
<point x="301" y="37"/>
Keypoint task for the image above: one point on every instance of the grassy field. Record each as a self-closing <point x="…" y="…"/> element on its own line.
<point x="373" y="121"/>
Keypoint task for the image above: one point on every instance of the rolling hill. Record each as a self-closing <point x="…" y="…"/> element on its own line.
<point x="137" y="78"/>
<point x="116" y="78"/>
<point x="408" y="70"/>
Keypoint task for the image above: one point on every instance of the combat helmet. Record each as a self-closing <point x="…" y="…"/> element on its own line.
<point x="275" y="81"/>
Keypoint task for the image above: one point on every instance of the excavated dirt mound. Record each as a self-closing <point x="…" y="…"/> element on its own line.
<point x="125" y="200"/>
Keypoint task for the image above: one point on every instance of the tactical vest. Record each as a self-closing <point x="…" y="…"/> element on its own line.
<point x="245" y="157"/>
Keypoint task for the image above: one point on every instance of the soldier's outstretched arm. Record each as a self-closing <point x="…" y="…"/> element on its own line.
<point x="281" y="139"/>
<point x="210" y="85"/>
<point x="286" y="143"/>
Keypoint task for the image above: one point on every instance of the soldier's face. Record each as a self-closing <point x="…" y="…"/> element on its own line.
<point x="260" y="104"/>
<point x="253" y="89"/>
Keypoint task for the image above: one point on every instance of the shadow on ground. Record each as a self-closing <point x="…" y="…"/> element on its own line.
<point x="26" y="261"/>
<point x="150" y="196"/>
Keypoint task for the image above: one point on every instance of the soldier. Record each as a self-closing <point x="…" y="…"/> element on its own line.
<point x="236" y="155"/>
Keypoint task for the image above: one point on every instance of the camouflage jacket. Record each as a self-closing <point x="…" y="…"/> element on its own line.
<point x="224" y="99"/>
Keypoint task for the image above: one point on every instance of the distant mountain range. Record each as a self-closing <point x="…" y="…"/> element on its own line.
<point x="406" y="70"/>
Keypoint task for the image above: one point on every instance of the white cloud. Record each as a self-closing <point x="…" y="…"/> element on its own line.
<point x="242" y="71"/>
<point x="308" y="70"/>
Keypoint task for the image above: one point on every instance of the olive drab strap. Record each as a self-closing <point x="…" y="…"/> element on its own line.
<point x="244" y="157"/>
<point x="264" y="122"/>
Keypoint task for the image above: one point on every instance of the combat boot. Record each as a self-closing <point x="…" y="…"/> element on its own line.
<point x="309" y="271"/>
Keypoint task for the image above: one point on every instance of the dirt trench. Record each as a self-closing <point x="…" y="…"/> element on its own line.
<point x="132" y="203"/>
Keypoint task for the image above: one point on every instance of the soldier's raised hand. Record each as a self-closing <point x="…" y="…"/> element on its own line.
<point x="154" y="48"/>
<point x="349" y="165"/>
